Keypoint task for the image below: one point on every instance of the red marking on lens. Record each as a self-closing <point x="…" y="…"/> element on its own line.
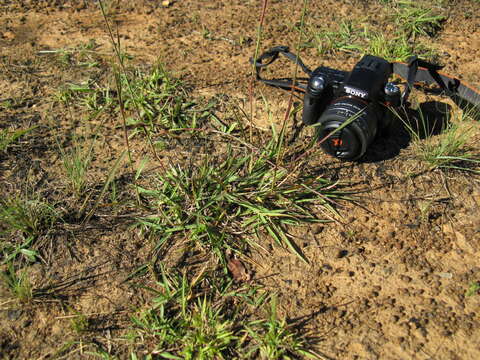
<point x="337" y="142"/>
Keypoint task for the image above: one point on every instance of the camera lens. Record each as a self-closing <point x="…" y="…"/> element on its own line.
<point x="348" y="141"/>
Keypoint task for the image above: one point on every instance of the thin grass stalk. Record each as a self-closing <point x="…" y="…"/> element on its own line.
<point x="292" y="91"/>
<point x="253" y="77"/>
<point x="125" y="132"/>
<point x="116" y="47"/>
<point x="118" y="85"/>
<point x="295" y="72"/>
<point x="111" y="176"/>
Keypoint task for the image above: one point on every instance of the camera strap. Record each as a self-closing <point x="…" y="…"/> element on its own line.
<point x="414" y="71"/>
<point x="417" y="70"/>
<point x="283" y="83"/>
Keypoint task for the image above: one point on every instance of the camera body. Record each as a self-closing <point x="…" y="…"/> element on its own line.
<point x="349" y="108"/>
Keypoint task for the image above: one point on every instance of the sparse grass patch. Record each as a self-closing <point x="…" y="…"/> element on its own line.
<point x="411" y="19"/>
<point x="219" y="203"/>
<point x="79" y="323"/>
<point x="30" y="217"/>
<point x="272" y="338"/>
<point x="158" y="100"/>
<point x="394" y="49"/>
<point x="450" y="149"/>
<point x="182" y="323"/>
<point x="353" y="38"/>
<point x="82" y="55"/>
<point x="21" y="222"/>
<point x="76" y="163"/>
<point x="345" y="39"/>
<point x="473" y="289"/>
<point x="415" y="19"/>
<point x="7" y="137"/>
<point x="152" y="99"/>
<point x="190" y="320"/>
<point x="18" y="283"/>
<point x="89" y="95"/>
<point x="379" y="45"/>
<point x="7" y="104"/>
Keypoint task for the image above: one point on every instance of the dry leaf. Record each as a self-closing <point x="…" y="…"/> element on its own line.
<point x="238" y="270"/>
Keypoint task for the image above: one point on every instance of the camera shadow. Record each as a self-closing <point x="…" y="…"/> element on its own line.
<point x="467" y="107"/>
<point x="429" y="119"/>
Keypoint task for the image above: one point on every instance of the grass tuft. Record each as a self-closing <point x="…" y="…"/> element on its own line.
<point x="473" y="289"/>
<point x="225" y="203"/>
<point x="329" y="41"/>
<point x="415" y="19"/>
<point x="76" y="163"/>
<point x="21" y="223"/>
<point x="30" y="217"/>
<point x="7" y="138"/>
<point x="159" y="98"/>
<point x="79" y="323"/>
<point x="272" y="338"/>
<point x="447" y="150"/>
<point x="398" y="44"/>
<point x="18" y="283"/>
<point x="351" y="38"/>
<point x="153" y="100"/>
<point x="188" y="319"/>
<point x="182" y="324"/>
<point x="397" y="48"/>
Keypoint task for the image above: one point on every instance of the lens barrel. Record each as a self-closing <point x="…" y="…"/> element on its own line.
<point x="349" y="141"/>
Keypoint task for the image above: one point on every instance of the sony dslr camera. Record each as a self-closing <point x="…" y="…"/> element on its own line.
<point x="349" y="108"/>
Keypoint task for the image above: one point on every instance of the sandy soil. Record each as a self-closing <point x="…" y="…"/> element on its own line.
<point x="386" y="282"/>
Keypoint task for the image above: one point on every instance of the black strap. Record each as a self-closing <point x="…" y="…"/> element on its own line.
<point x="417" y="70"/>
<point x="272" y="55"/>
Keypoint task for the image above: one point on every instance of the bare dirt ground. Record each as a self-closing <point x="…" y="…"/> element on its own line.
<point x="388" y="281"/>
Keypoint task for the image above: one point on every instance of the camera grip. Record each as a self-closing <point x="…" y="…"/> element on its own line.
<point x="311" y="109"/>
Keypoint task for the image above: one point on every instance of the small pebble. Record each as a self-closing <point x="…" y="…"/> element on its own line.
<point x="445" y="275"/>
<point x="13" y="315"/>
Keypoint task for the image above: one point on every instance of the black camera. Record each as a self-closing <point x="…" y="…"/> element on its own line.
<point x="349" y="108"/>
